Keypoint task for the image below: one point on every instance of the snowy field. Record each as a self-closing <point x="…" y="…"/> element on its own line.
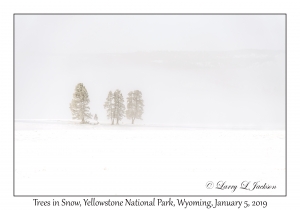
<point x="60" y="157"/>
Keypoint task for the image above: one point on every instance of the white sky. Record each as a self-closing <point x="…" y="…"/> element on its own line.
<point x="159" y="56"/>
<point x="131" y="33"/>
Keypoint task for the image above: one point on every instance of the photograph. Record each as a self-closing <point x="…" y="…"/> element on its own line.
<point x="148" y="104"/>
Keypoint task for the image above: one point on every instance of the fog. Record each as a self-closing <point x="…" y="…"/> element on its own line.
<point x="207" y="70"/>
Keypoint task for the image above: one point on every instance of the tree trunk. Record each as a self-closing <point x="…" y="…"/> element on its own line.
<point x="132" y="121"/>
<point x="82" y="120"/>
<point x="113" y="121"/>
<point x="117" y="121"/>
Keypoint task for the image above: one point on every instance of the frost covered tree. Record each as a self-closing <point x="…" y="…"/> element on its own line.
<point x="135" y="105"/>
<point x="109" y="106"/>
<point x="119" y="107"/>
<point x="79" y="104"/>
<point x="114" y="106"/>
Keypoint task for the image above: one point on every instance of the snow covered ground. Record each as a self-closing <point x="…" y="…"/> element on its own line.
<point x="61" y="157"/>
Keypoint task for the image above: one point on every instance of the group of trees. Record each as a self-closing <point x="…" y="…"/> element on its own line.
<point x="114" y="105"/>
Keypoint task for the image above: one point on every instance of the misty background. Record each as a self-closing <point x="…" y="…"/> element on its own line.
<point x="206" y="70"/>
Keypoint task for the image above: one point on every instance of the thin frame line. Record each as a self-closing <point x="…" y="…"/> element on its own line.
<point x="149" y="196"/>
<point x="150" y="13"/>
<point x="14" y="105"/>
<point x="286" y="105"/>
